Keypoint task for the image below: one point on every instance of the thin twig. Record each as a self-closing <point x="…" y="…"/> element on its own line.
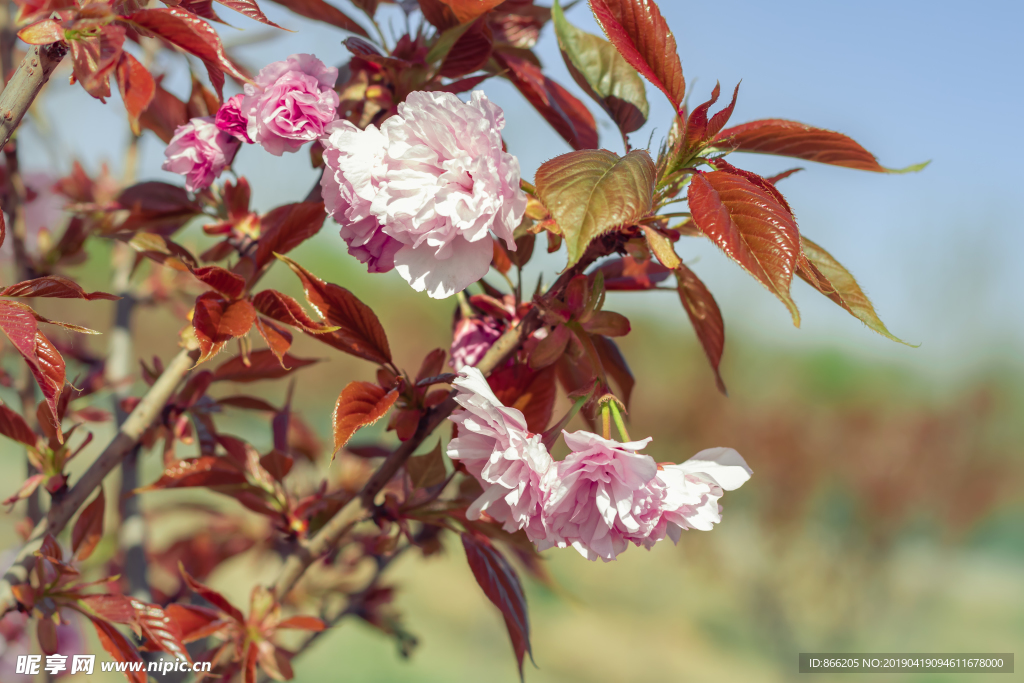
<point x="61" y="512"/>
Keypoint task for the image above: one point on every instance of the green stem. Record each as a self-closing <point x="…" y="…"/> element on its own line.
<point x="617" y="416"/>
<point x="606" y="422"/>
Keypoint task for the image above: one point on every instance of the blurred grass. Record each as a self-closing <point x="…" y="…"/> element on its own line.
<point x="883" y="515"/>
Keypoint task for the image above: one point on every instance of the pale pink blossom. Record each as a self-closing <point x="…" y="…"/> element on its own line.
<point x="290" y="103"/>
<point x="200" y="151"/>
<point x="599" y="500"/>
<point x="512" y="465"/>
<point x="692" y="489"/>
<point x="231" y="120"/>
<point x="435" y="179"/>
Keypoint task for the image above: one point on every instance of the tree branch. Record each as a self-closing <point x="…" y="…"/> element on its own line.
<point x="128" y="436"/>
<point x="25" y="84"/>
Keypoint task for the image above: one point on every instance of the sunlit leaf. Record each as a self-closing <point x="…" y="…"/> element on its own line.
<point x="468" y="10"/>
<point x="593" y="191"/>
<point x="603" y="73"/>
<point x="359" y="404"/>
<point x="263" y="364"/>
<point x="318" y="10"/>
<point x="224" y="281"/>
<point x="286" y="227"/>
<point x="250" y="9"/>
<point x="751" y="227"/>
<point x="637" y="29"/>
<point x="217" y="321"/>
<point x="137" y="88"/>
<point x="792" y="139"/>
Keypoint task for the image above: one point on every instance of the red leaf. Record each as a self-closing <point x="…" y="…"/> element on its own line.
<point x="95" y="56"/>
<point x="501" y="585"/>
<point x="56" y="287"/>
<point x="19" y="324"/>
<point x="470" y="52"/>
<point x="629" y="274"/>
<point x="704" y="316"/>
<point x="208" y="470"/>
<point x="566" y="114"/>
<point x="615" y="365"/>
<point x="161" y="632"/>
<point x="699" y="129"/>
<point x="318" y="10"/>
<point x="113" y="607"/>
<point x="361" y="333"/>
<point x="283" y="308"/>
<point x="120" y="648"/>
<point x="608" y="323"/>
<point x="224" y="281"/>
<point x="194" y="622"/>
<point x="88" y="529"/>
<point x="13" y="426"/>
<point x="217" y="321"/>
<point x="792" y="139"/>
<point x="137" y="88"/>
<point x="639" y="32"/>
<point x="468" y="10"/>
<point x="193" y="35"/>
<point x="42" y="33"/>
<point x="46" y="633"/>
<point x="250" y="9"/>
<point x="551" y="347"/>
<point x="278" y="339"/>
<point x="48" y="370"/>
<point x="213" y="597"/>
<point x="26" y="488"/>
<point x="359" y="404"/>
<point x="158" y="206"/>
<point x="286" y="227"/>
<point x="500" y="260"/>
<point x="263" y="364"/>
<point x="304" y="623"/>
<point x="751" y="227"/>
<point x="164" y="113"/>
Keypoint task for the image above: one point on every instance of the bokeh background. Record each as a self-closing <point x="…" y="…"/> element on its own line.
<point x="885" y="513"/>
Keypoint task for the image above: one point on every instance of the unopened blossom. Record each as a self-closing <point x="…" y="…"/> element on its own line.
<point x="231" y="120"/>
<point x="199" y="151"/>
<point x="435" y="179"/>
<point x="511" y="464"/>
<point x="599" y="498"/>
<point x="472" y="340"/>
<point x="290" y="103"/>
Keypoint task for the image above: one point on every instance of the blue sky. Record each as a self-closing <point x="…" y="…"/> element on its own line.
<point x="937" y="251"/>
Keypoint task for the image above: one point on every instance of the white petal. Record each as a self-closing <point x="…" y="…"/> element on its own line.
<point x="421" y="268"/>
<point x="725" y="466"/>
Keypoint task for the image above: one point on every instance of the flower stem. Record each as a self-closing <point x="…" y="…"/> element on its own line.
<point x="606" y="421"/>
<point x="619" y="423"/>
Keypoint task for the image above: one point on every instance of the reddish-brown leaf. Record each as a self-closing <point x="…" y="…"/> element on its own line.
<point x="566" y="114"/>
<point x="46" y="634"/>
<point x="704" y="316"/>
<point x="639" y="32"/>
<point x="111" y="607"/>
<point x="468" y="10"/>
<point x="217" y="321"/>
<point x="751" y="227"/>
<point x="120" y="648"/>
<point x="500" y="260"/>
<point x="263" y="364"/>
<point x="283" y="308"/>
<point x="360" y="333"/>
<point x="207" y="470"/>
<point x="277" y="338"/>
<point x="88" y="530"/>
<point x="13" y="426"/>
<point x="250" y="9"/>
<point x="608" y="323"/>
<point x="303" y="623"/>
<point x="162" y="633"/>
<point x="699" y="128"/>
<point x="224" y="281"/>
<point x="54" y="286"/>
<point x="26" y="488"/>
<point x="42" y="33"/>
<point x="286" y="227"/>
<point x="318" y="10"/>
<point x="629" y="274"/>
<point x="792" y="139"/>
<point x="819" y="269"/>
<point x="137" y="88"/>
<point x="551" y="347"/>
<point x="615" y="365"/>
<point x="95" y="57"/>
<point x="501" y="585"/>
<point x="213" y="597"/>
<point x="48" y="370"/>
<point x="193" y="35"/>
<point x="164" y="113"/>
<point x="194" y="622"/>
<point x="157" y="206"/>
<point x="470" y="52"/>
<point x="359" y="404"/>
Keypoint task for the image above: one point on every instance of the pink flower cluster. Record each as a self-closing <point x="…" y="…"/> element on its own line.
<point x="290" y="103"/>
<point x="602" y="497"/>
<point x="423" y="193"/>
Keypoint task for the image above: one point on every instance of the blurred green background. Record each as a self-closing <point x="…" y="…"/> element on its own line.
<point x="885" y="511"/>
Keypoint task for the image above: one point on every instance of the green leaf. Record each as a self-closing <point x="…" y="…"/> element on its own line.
<point x="592" y="191"/>
<point x="828" y="276"/>
<point x="603" y="73"/>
